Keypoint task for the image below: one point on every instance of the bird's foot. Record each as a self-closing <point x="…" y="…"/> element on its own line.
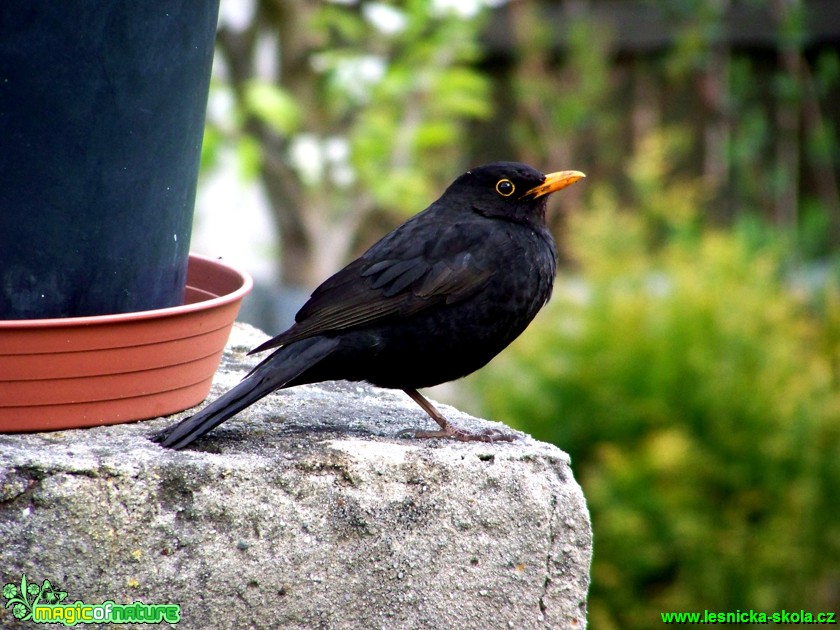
<point x="447" y="430"/>
<point x="485" y="435"/>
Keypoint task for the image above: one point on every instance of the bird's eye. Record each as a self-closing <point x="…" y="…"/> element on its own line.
<point x="505" y="187"/>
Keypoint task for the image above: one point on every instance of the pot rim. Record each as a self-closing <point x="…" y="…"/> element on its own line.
<point x="245" y="285"/>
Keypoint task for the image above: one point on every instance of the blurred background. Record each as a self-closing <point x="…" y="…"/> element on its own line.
<point x="690" y="358"/>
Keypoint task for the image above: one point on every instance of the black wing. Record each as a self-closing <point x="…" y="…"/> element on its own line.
<point x="420" y="265"/>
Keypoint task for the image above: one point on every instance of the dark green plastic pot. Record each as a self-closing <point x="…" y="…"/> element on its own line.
<point x="102" y="108"/>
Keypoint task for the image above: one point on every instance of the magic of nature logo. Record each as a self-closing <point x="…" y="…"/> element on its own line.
<point x="44" y="603"/>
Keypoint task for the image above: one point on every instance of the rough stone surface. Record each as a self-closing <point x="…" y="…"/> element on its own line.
<point x="303" y="512"/>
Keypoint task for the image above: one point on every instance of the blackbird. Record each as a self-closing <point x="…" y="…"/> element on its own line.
<point x="430" y="302"/>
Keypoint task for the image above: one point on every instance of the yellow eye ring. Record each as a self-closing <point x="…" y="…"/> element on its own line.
<point x="505" y="187"/>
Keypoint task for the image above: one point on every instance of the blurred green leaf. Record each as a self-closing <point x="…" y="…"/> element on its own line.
<point x="250" y="157"/>
<point x="273" y="105"/>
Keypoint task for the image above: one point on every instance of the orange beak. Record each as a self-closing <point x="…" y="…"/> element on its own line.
<point x="554" y="182"/>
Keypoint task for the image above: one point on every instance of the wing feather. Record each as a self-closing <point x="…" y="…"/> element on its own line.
<point x="363" y="294"/>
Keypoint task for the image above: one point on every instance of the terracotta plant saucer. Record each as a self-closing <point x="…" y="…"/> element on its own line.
<point x="89" y="371"/>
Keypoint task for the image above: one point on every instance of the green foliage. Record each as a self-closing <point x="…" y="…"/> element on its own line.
<point x="696" y="389"/>
<point x="562" y="108"/>
<point x="393" y="83"/>
<point x="413" y="122"/>
<point x="273" y="105"/>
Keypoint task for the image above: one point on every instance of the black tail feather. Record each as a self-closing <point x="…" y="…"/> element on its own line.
<point x="275" y="372"/>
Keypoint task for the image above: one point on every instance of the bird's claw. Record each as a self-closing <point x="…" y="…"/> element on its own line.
<point x="462" y="435"/>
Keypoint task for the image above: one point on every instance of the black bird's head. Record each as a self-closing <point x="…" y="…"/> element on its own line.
<point x="508" y="190"/>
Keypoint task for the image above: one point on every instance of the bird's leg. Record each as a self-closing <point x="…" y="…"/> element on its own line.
<point x="449" y="431"/>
